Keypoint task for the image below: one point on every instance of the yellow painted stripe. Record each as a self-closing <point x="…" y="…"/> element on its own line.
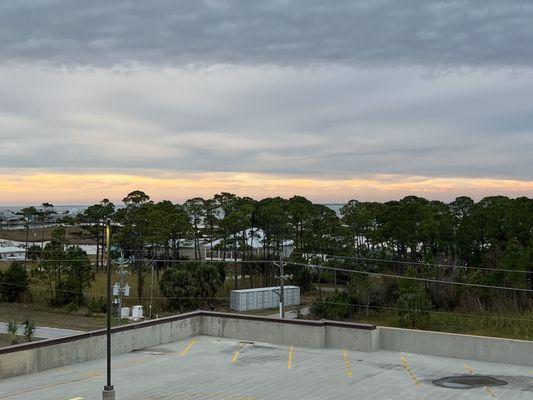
<point x="48" y="386"/>
<point x="291" y="356"/>
<point x="347" y="364"/>
<point x="188" y="348"/>
<point x="468" y="369"/>
<point x="410" y="371"/>
<point x="490" y="392"/>
<point x="77" y="398"/>
<point x="471" y="371"/>
<point x="235" y="356"/>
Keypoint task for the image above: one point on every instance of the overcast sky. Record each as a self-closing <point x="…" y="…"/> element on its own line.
<point x="331" y="99"/>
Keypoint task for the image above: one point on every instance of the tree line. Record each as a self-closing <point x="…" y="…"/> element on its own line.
<point x="489" y="242"/>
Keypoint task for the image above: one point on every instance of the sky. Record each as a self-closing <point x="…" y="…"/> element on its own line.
<point x="334" y="100"/>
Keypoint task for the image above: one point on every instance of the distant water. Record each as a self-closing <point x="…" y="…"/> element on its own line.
<point x="76" y="209"/>
<point x="59" y="209"/>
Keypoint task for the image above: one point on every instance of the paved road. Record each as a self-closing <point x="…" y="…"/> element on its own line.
<point x="204" y="368"/>
<point x="43" y="332"/>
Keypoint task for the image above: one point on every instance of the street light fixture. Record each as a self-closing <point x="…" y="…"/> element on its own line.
<point x="109" y="390"/>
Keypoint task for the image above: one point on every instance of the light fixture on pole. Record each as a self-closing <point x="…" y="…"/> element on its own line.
<point x="109" y="390"/>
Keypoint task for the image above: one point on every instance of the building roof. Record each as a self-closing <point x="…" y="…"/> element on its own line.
<point x="263" y="289"/>
<point x="5" y="250"/>
<point x="255" y="238"/>
<point x="207" y="367"/>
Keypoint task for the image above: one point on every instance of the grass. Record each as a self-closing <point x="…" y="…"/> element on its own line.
<point x="5" y="339"/>
<point x="509" y="326"/>
<point x="75" y="235"/>
<point x="49" y="317"/>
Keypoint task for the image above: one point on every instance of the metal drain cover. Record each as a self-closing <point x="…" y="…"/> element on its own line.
<point x="468" y="381"/>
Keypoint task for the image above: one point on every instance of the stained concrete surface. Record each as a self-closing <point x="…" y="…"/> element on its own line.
<point x="205" y="367"/>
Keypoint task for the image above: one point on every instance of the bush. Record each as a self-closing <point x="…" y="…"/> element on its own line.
<point x="14" y="283"/>
<point x="189" y="284"/>
<point x="413" y="302"/>
<point x="12" y="330"/>
<point x="29" y="330"/>
<point x="336" y="307"/>
<point x="97" y="305"/>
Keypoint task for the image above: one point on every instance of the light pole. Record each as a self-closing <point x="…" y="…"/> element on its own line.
<point x="109" y="390"/>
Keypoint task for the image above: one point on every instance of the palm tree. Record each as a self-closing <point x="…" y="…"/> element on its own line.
<point x="46" y="210"/>
<point x="12" y="330"/>
<point x="29" y="329"/>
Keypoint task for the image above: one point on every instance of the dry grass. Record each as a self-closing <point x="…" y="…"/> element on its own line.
<point x="49" y="317"/>
<point x="75" y="235"/>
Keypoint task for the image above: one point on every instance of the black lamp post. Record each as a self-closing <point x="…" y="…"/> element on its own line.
<point x="109" y="390"/>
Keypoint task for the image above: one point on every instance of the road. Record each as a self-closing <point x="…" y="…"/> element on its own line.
<point x="43" y="332"/>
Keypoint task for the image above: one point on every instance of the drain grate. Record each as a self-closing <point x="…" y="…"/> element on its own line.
<point x="468" y="381"/>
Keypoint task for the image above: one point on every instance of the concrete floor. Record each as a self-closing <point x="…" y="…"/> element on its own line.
<point x="222" y="369"/>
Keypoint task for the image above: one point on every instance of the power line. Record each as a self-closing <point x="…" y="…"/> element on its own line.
<point x="424" y="264"/>
<point x="418" y="279"/>
<point x="368" y="273"/>
<point x="498" y="317"/>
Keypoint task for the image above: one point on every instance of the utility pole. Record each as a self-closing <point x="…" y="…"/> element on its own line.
<point x="281" y="292"/>
<point x="109" y="390"/>
<point x="119" y="290"/>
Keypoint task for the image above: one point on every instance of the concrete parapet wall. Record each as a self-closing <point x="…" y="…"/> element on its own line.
<point x="352" y="339"/>
<point x="38" y="356"/>
<point x="479" y="348"/>
<point x="264" y="331"/>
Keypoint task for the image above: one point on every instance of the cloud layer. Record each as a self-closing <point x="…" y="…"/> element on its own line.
<point x="334" y="91"/>
<point x="333" y="121"/>
<point x="170" y="32"/>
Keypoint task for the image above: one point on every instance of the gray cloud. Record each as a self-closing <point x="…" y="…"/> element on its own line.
<point x="291" y="87"/>
<point x="287" y="32"/>
<point x="330" y="122"/>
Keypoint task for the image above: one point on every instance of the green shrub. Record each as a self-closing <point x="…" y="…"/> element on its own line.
<point x="97" y="305"/>
<point x="12" y="330"/>
<point x="14" y="282"/>
<point x="336" y="307"/>
<point x="413" y="302"/>
<point x="29" y="330"/>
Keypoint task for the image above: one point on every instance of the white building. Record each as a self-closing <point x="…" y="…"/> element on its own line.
<point x="12" y="254"/>
<point x="255" y="243"/>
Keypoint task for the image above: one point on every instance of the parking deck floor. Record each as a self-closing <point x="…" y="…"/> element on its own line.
<point x="222" y="369"/>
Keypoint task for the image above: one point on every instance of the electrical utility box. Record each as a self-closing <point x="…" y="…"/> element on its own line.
<point x="137" y="313"/>
<point x="262" y="298"/>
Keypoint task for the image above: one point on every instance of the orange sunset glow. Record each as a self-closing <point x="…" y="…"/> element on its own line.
<point x="60" y="188"/>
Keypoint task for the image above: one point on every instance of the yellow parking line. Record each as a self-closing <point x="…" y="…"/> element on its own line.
<point x="347" y="364"/>
<point x="189" y="346"/>
<point x="48" y="386"/>
<point x="468" y="369"/>
<point x="77" y="398"/>
<point x="291" y="356"/>
<point x="236" y="356"/>
<point x="410" y="371"/>
<point x="471" y="371"/>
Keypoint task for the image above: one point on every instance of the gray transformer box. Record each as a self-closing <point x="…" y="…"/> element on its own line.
<point x="263" y="298"/>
